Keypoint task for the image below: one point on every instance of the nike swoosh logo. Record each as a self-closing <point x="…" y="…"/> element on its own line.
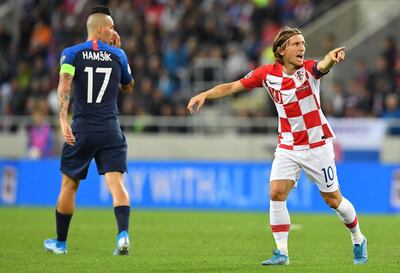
<point x="272" y="82"/>
<point x="329" y="185"/>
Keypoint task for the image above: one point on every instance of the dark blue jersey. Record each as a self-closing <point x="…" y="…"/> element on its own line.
<point x="98" y="69"/>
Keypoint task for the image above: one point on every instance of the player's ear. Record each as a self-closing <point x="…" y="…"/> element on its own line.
<point x="281" y="50"/>
<point x="99" y="29"/>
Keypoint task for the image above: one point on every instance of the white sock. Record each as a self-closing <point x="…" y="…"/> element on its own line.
<point x="347" y="214"/>
<point x="280" y="224"/>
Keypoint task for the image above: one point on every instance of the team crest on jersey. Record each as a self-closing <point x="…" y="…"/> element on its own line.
<point x="300" y="75"/>
<point x="248" y="75"/>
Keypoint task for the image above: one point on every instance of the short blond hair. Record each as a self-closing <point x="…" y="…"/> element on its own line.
<point x="94" y="20"/>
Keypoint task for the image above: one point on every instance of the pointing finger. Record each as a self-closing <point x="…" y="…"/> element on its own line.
<point x="337" y="50"/>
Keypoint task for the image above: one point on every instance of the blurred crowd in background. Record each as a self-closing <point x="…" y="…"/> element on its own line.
<point x="167" y="42"/>
<point x="372" y="91"/>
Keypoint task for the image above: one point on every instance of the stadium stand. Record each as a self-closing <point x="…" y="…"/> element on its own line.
<point x="176" y="49"/>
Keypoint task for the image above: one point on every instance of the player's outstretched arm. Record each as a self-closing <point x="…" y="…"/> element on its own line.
<point x="334" y="56"/>
<point x="64" y="94"/>
<point x="219" y="91"/>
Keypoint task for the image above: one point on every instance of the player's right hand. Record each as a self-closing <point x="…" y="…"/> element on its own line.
<point x="199" y="100"/>
<point x="116" y="40"/>
<point x="67" y="133"/>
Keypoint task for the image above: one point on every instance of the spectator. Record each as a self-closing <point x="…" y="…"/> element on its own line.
<point x="5" y="39"/>
<point x="171" y="16"/>
<point x="236" y="63"/>
<point x="390" y="53"/>
<point x="328" y="42"/>
<point x="41" y="37"/>
<point x="392" y="112"/>
<point x="358" y="101"/>
<point x="338" y="100"/>
<point x="362" y="73"/>
<point x="41" y="140"/>
<point x="397" y="76"/>
<point x="175" y="60"/>
<point x="163" y="39"/>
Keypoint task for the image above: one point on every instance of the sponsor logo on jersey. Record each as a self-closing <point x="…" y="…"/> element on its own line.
<point x="101" y="56"/>
<point x="302" y="88"/>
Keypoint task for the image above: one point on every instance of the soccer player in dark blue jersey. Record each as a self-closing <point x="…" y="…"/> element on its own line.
<point x="94" y="71"/>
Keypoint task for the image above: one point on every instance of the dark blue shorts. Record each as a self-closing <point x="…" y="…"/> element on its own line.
<point x="109" y="149"/>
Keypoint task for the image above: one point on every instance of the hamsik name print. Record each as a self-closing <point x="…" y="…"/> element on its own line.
<point x="97" y="56"/>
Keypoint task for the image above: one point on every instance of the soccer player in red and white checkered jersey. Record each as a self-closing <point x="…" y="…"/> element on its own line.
<point x="305" y="137"/>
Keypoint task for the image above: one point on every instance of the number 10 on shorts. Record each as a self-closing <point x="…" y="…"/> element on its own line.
<point x="329" y="174"/>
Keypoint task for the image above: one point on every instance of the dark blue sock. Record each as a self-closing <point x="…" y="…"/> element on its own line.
<point x="122" y="216"/>
<point x="62" y="222"/>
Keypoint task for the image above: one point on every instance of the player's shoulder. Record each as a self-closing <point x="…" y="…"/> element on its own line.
<point x="77" y="47"/>
<point x="275" y="68"/>
<point x="262" y="71"/>
<point x="310" y="65"/>
<point x="271" y="69"/>
<point x="68" y="54"/>
<point x="265" y="68"/>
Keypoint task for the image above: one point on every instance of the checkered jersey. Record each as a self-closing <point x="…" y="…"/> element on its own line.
<point x="302" y="125"/>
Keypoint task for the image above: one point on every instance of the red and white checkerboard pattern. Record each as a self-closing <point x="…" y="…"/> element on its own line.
<point x="302" y="125"/>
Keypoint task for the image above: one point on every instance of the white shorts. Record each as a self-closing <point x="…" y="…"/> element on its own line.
<point x="318" y="163"/>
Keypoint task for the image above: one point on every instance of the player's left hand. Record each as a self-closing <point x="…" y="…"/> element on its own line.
<point x="338" y="54"/>
<point x="116" y="40"/>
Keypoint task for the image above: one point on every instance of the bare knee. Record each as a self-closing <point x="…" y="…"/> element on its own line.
<point x="69" y="188"/>
<point x="332" y="202"/>
<point x="116" y="186"/>
<point x="332" y="199"/>
<point x="277" y="196"/>
<point x="121" y="196"/>
<point x="279" y="189"/>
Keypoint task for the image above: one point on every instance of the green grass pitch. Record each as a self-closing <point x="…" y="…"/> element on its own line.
<point x="192" y="241"/>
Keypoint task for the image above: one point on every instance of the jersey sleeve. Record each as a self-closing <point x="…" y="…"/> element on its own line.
<point x="254" y="78"/>
<point x="126" y="75"/>
<point x="67" y="61"/>
<point x="311" y="66"/>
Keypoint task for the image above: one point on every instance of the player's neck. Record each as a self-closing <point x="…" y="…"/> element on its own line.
<point x="289" y="69"/>
<point x="92" y="37"/>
